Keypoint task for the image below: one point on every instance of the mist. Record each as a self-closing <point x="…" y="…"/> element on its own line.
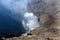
<point x="14" y="17"/>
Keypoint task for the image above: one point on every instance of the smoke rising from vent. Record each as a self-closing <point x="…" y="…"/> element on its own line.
<point x="31" y="21"/>
<point x="20" y="12"/>
<point x="25" y="10"/>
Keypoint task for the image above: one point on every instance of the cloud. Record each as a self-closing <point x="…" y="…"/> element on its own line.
<point x="15" y="5"/>
<point x="19" y="12"/>
<point x="32" y="21"/>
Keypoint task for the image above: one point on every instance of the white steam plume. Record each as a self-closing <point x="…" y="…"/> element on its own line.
<point x="19" y="12"/>
<point x="32" y="21"/>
